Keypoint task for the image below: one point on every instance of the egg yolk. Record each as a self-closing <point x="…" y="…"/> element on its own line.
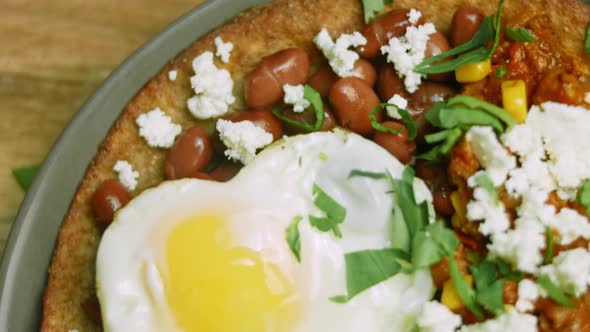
<point x="214" y="286"/>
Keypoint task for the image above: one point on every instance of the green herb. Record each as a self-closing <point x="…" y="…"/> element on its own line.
<point x="25" y="175"/>
<point x="554" y="292"/>
<point x="405" y="115"/>
<point x="549" y="251"/>
<point x="587" y="44"/>
<point x="452" y="136"/>
<point x="484" y="181"/>
<point x="373" y="7"/>
<point x="474" y="50"/>
<point x="415" y="215"/>
<point x="323" y="156"/>
<point x="445" y="238"/>
<point x="584" y="196"/>
<point x="490" y="292"/>
<point x="475" y="103"/>
<point x="507" y="271"/>
<point x="315" y="99"/>
<point x="520" y="35"/>
<point x="367" y="268"/>
<point x="432" y="244"/>
<point x="465" y="292"/>
<point x="293" y="237"/>
<point x="501" y="72"/>
<point x="366" y="174"/>
<point x="334" y="213"/>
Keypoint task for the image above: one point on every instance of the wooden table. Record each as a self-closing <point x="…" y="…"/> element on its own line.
<point x="53" y="55"/>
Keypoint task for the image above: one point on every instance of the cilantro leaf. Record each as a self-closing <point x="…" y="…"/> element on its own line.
<point x="334" y="213"/>
<point x="465" y="292"/>
<point x="492" y="297"/>
<point x="406" y="118"/>
<point x="554" y="292"/>
<point x="584" y="196"/>
<point x="445" y="238"/>
<point x="549" y="250"/>
<point x="475" y="103"/>
<point x="520" y="35"/>
<point x="367" y="268"/>
<point x="501" y="72"/>
<point x="587" y="43"/>
<point x="507" y="271"/>
<point x="373" y="7"/>
<point x="425" y="251"/>
<point x="314" y="97"/>
<point x="293" y="239"/>
<point x="25" y="175"/>
<point x="372" y="175"/>
<point x="415" y="215"/>
<point x="474" y="50"/>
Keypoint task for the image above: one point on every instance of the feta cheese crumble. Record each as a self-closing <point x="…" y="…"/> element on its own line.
<point x="339" y="55"/>
<point x="436" y="317"/>
<point x="157" y="129"/>
<point x="242" y="139"/>
<point x="213" y="88"/>
<point x="399" y="102"/>
<point x="294" y="96"/>
<point x="127" y="176"/>
<point x="406" y="52"/>
<point x="483" y="207"/>
<point x="570" y="270"/>
<point x="414" y="15"/>
<point x="520" y="247"/>
<point x="172" y="75"/>
<point x="491" y="154"/>
<point x="510" y="321"/>
<point x="223" y="49"/>
<point x="570" y="225"/>
<point x="528" y="293"/>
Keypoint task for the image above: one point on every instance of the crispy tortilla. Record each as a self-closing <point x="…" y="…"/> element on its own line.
<point x="255" y="33"/>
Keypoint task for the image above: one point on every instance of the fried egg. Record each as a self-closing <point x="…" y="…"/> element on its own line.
<point x="194" y="255"/>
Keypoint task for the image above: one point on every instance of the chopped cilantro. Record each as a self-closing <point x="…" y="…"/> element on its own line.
<point x="584" y="196"/>
<point x="549" y="250"/>
<point x="554" y="292"/>
<point x="406" y="117"/>
<point x="520" y="35"/>
<point x="314" y="97"/>
<point x="366" y="174"/>
<point x="587" y="43"/>
<point x="373" y="7"/>
<point x="334" y="213"/>
<point x="25" y="175"/>
<point x="501" y="72"/>
<point x="293" y="239"/>
<point x="466" y="293"/>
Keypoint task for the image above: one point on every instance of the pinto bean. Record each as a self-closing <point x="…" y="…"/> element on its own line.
<point x="110" y="196"/>
<point x="264" y="85"/>
<point x="397" y="144"/>
<point x="226" y="171"/>
<point x="364" y="70"/>
<point x="389" y="84"/>
<point x="428" y="94"/>
<point x="353" y="100"/>
<point x="379" y="32"/>
<point x="322" y="80"/>
<point x="191" y="153"/>
<point x="465" y="23"/>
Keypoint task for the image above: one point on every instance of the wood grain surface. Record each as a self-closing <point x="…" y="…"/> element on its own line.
<point x="53" y="55"/>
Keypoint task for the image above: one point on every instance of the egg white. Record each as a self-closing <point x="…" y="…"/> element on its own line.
<point x="260" y="202"/>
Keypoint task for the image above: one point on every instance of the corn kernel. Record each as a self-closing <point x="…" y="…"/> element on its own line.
<point x="473" y="72"/>
<point x="514" y="99"/>
<point x="450" y="297"/>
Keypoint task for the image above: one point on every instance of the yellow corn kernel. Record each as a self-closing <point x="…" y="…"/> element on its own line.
<point x="460" y="210"/>
<point x="509" y="307"/>
<point x="450" y="297"/>
<point x="473" y="72"/>
<point x="514" y="99"/>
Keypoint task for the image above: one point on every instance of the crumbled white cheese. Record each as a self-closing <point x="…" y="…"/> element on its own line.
<point x="414" y="15"/>
<point x="157" y="129"/>
<point x="294" y="95"/>
<point x="570" y="270"/>
<point x="570" y="225"/>
<point x="242" y="139"/>
<point x="525" y="142"/>
<point x="223" y="49"/>
<point x="406" y="52"/>
<point x="509" y="321"/>
<point x="528" y="293"/>
<point x="172" y="75"/>
<point x="127" y="176"/>
<point x="213" y="88"/>
<point x="483" y="207"/>
<point x="436" y="317"/>
<point x="339" y="55"/>
<point x="399" y="102"/>
<point x="566" y="136"/>
<point x="587" y="98"/>
<point x="520" y="247"/>
<point x="532" y="174"/>
<point x="491" y="154"/>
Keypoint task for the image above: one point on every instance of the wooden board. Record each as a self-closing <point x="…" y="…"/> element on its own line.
<point x="54" y="54"/>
